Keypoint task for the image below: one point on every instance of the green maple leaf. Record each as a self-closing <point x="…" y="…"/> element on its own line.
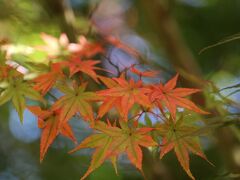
<point x="75" y="100"/>
<point x="112" y="141"/>
<point x="180" y="137"/>
<point x="17" y="90"/>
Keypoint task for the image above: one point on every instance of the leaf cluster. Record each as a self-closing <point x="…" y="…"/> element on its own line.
<point x="67" y="69"/>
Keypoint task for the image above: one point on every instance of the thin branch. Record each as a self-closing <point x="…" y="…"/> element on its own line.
<point x="226" y="40"/>
<point x="230" y="87"/>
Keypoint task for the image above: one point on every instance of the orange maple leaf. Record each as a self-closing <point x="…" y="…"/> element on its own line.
<point x="85" y="48"/>
<point x="8" y="72"/>
<point x="119" y="44"/>
<point x="173" y="97"/>
<point x="88" y="67"/>
<point x="49" y="121"/>
<point x="112" y="141"/>
<point x="4" y="70"/>
<point x="46" y="81"/>
<point x="143" y="73"/>
<point x="122" y="94"/>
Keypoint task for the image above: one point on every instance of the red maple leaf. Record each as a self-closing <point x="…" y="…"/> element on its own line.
<point x="88" y="67"/>
<point x="85" y="48"/>
<point x="49" y="122"/>
<point x="173" y="97"/>
<point x="143" y="73"/>
<point x="122" y="94"/>
<point x="119" y="44"/>
<point x="46" y="81"/>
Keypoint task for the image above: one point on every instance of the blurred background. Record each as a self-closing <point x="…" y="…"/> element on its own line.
<point x="169" y="34"/>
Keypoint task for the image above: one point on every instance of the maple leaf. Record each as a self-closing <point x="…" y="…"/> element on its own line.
<point x="49" y="121"/>
<point x="112" y="141"/>
<point x="75" y="100"/>
<point x="8" y="72"/>
<point x="54" y="46"/>
<point x="16" y="90"/>
<point x="88" y="67"/>
<point x="179" y="136"/>
<point x="46" y="81"/>
<point x="119" y="44"/>
<point x="144" y="73"/>
<point x="4" y="72"/>
<point x="123" y="94"/>
<point x="84" y="48"/>
<point x="173" y="97"/>
<point x="61" y="46"/>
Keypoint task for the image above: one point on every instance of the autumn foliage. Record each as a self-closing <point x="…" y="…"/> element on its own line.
<point x="70" y="70"/>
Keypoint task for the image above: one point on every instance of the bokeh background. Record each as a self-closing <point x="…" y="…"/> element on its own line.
<point x="170" y="35"/>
